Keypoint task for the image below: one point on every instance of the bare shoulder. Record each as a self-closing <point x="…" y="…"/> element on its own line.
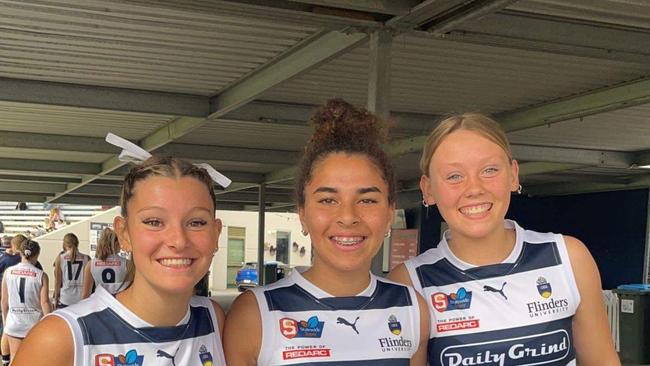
<point x="51" y="337"/>
<point x="582" y="262"/>
<point x="243" y="331"/>
<point x="243" y="308"/>
<point x="400" y="274"/>
<point x="221" y="315"/>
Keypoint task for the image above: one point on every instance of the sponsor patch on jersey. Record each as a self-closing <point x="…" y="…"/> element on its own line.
<point x="23" y="272"/>
<point x="104" y="359"/>
<point x="130" y="358"/>
<point x="400" y="344"/>
<point x="544" y="288"/>
<point x="310" y="328"/>
<point x="394" y="325"/>
<point x="205" y="356"/>
<point x="107" y="263"/>
<point x="306" y="353"/>
<point x="460" y="300"/>
<point x="535" y="349"/>
<point x="457" y="325"/>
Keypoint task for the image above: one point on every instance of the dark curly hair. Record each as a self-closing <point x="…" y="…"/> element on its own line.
<point x="342" y="128"/>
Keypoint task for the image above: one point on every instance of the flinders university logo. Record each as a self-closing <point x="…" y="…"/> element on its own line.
<point x="394" y="326"/>
<point x="544" y="288"/>
<point x="205" y="356"/>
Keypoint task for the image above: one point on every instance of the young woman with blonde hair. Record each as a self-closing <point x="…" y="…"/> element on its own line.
<point x="107" y="269"/>
<point x="497" y="293"/>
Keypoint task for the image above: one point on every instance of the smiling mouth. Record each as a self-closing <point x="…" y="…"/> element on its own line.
<point x="175" y="262"/>
<point x="476" y="210"/>
<point x="348" y="241"/>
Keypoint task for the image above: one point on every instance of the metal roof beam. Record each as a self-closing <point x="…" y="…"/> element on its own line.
<point x="391" y="7"/>
<point x="519" y="30"/>
<point x="99" y="97"/>
<point x="230" y="154"/>
<point x="30" y="187"/>
<point x="442" y="16"/>
<point x="305" y="56"/>
<point x="46" y="167"/>
<point x="41" y="141"/>
<point x="613" y="98"/>
<point x="550" y="154"/>
<point x="562" y="189"/>
<point x="603" y="100"/>
<point x="158" y="138"/>
<point x="532" y="168"/>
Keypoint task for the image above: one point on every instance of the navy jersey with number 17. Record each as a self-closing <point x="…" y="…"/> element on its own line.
<point x="72" y="277"/>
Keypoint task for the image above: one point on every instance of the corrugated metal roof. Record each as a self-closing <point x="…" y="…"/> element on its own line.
<point x="250" y="134"/>
<point x="435" y="76"/>
<point x="154" y="46"/>
<point x="621" y="130"/>
<point x="59" y="120"/>
<point x="631" y="13"/>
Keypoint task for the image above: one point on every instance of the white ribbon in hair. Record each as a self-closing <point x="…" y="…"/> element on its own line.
<point x="134" y="153"/>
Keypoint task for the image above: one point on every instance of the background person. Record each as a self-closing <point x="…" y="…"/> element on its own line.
<point x="25" y="297"/>
<point x="107" y="269"/>
<point x="491" y="286"/>
<point x="68" y="272"/>
<point x="335" y="312"/>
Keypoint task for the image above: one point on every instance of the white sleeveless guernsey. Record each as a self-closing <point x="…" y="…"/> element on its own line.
<point x="303" y="325"/>
<point x="109" y="273"/>
<point x="107" y="333"/>
<point x="72" y="277"/>
<point x="518" y="312"/>
<point x="24" y="282"/>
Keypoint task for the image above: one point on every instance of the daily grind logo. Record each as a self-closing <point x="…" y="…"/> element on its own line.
<point x="532" y="350"/>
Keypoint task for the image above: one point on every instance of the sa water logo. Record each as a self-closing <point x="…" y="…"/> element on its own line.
<point x="460" y="300"/>
<point x="310" y="328"/>
<point x="544" y="288"/>
<point x="394" y="325"/>
<point x="130" y="358"/>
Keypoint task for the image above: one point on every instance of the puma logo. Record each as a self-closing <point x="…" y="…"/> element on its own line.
<point x="340" y="320"/>
<point x="164" y="354"/>
<point x="492" y="289"/>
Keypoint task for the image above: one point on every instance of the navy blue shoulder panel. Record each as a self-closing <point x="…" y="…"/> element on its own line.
<point x="295" y="298"/>
<point x="532" y="256"/>
<point x="106" y="327"/>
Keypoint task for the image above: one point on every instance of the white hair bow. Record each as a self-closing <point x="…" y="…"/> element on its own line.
<point x="134" y="153"/>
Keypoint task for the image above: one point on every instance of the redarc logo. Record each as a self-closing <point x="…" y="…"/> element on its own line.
<point x="459" y="325"/>
<point x="306" y="353"/>
<point x="535" y="349"/>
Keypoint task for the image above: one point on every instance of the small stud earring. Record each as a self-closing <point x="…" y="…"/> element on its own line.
<point x="387" y="234"/>
<point x="304" y="232"/>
